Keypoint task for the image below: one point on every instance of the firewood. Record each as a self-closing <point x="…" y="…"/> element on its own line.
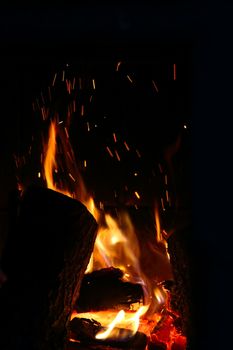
<point x="104" y="289"/>
<point x="45" y="259"/>
<point x="85" y="330"/>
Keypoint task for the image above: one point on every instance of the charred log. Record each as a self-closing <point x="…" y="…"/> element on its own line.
<point x="180" y="249"/>
<point x="46" y="256"/>
<point x="85" y="331"/>
<point x="105" y="289"/>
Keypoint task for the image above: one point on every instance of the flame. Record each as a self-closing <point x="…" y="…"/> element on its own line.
<point x="125" y="321"/>
<point x="116" y="246"/>
<point x="50" y="164"/>
<point x="159" y="234"/>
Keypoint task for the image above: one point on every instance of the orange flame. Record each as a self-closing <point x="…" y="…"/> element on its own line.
<point x="116" y="246"/>
<point x="50" y="163"/>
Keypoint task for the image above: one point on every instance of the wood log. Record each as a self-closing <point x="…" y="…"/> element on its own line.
<point x="85" y="330"/>
<point x="104" y="289"/>
<point x="45" y="258"/>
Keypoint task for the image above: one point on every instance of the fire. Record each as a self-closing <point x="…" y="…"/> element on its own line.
<point x="116" y="246"/>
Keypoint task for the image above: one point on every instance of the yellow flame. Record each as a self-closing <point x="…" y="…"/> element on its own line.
<point x="159" y="234"/>
<point x="116" y="244"/>
<point x="119" y="317"/>
<point x="50" y="163"/>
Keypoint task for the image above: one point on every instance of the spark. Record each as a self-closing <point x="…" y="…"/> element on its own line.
<point x="115" y="194"/>
<point x="138" y="154"/>
<point x="90" y="98"/>
<point x="185" y="126"/>
<point x="93" y="83"/>
<point x="137" y="194"/>
<point x="114" y="137"/>
<point x="162" y="203"/>
<point x="66" y="131"/>
<point x="117" y="155"/>
<point x="167" y="196"/>
<point x="39" y="174"/>
<point x="155" y="86"/>
<point x="130" y="79"/>
<point x="165" y="179"/>
<point x="85" y="163"/>
<point x="63" y="75"/>
<point x="54" y="79"/>
<point x="61" y="122"/>
<point x="126" y="146"/>
<point x="82" y="110"/>
<point x="68" y="86"/>
<point x="71" y="176"/>
<point x="118" y="65"/>
<point x="135" y="174"/>
<point x="174" y="71"/>
<point x="88" y="126"/>
<point x="109" y="151"/>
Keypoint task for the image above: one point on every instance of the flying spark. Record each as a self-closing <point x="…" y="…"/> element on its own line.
<point x="126" y="146"/>
<point x="117" y="155"/>
<point x="118" y="65"/>
<point x="155" y="86"/>
<point x="174" y="71"/>
<point x="54" y="79"/>
<point x="138" y="154"/>
<point x="130" y="79"/>
<point x="82" y="110"/>
<point x="71" y="176"/>
<point x="137" y="194"/>
<point x="109" y="151"/>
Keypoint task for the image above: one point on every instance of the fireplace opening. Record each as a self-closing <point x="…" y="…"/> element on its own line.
<point x="97" y="250"/>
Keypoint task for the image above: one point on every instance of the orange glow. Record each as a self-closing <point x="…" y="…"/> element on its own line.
<point x="50" y="163"/>
<point x="116" y="244"/>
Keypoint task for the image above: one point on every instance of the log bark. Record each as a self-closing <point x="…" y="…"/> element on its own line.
<point x="105" y="289"/>
<point x="85" y="330"/>
<point x="45" y="258"/>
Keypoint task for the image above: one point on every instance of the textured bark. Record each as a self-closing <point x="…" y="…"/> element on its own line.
<point x="182" y="300"/>
<point x="104" y="289"/>
<point x="46" y="256"/>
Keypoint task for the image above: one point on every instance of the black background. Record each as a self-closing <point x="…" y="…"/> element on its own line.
<point x="37" y="36"/>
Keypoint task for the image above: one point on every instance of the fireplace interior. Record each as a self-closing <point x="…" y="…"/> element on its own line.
<point x="111" y="130"/>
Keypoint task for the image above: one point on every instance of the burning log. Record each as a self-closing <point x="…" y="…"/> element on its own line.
<point x="45" y="259"/>
<point x="85" y="331"/>
<point x="105" y="289"/>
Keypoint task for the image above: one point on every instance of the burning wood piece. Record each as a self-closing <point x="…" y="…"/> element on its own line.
<point x="85" y="331"/>
<point x="105" y="289"/>
<point x="47" y="253"/>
